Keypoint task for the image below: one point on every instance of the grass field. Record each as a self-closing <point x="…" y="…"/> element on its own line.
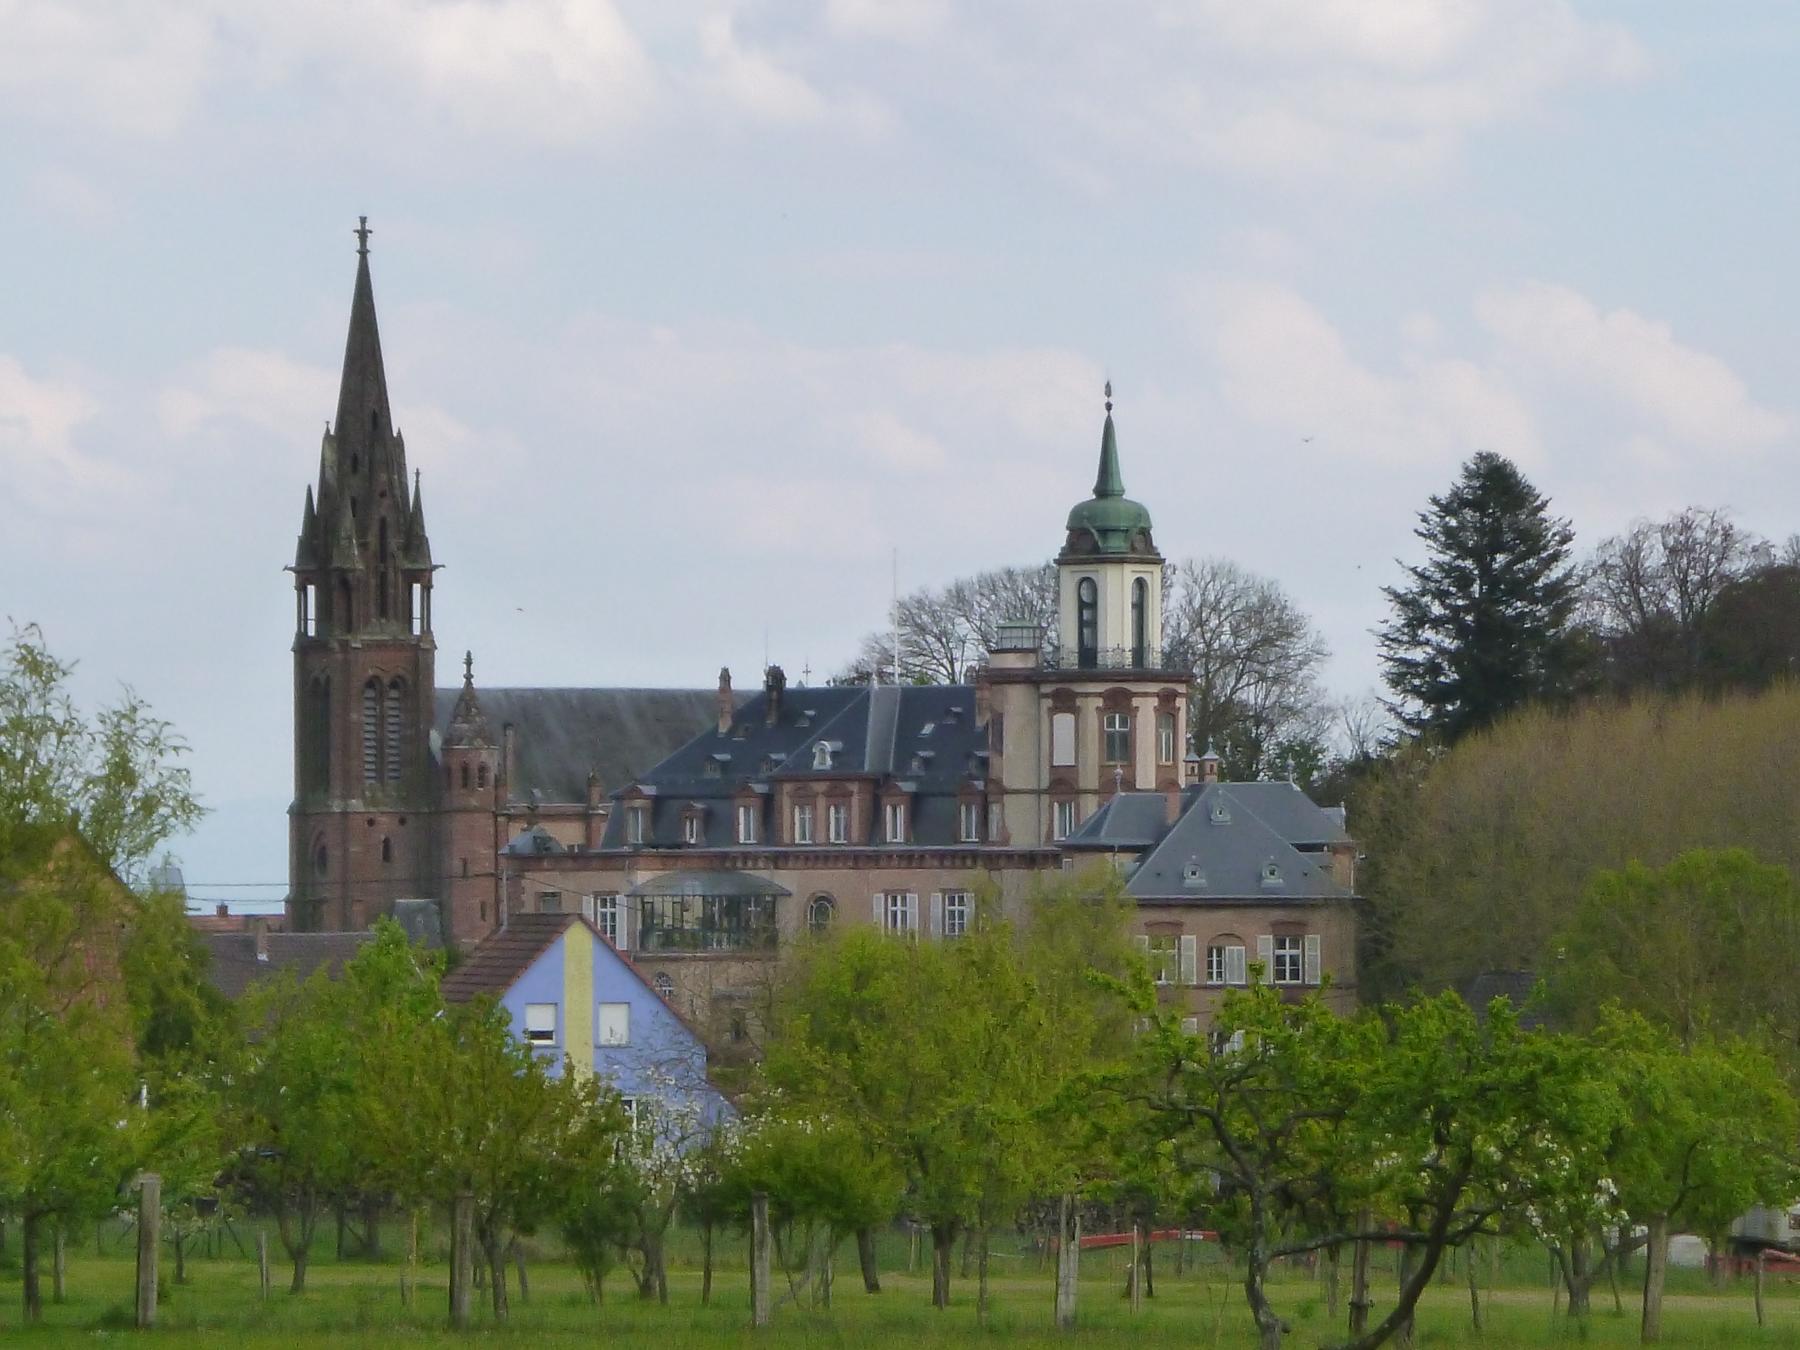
<point x="355" y="1303"/>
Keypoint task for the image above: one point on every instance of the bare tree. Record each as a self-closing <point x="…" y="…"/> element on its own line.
<point x="942" y="631"/>
<point x="1650" y="590"/>
<point x="1255" y="657"/>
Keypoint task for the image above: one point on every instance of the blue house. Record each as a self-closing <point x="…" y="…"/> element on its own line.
<point x="578" y="1002"/>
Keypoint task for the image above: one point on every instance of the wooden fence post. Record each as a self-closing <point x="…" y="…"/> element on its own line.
<point x="1068" y="1261"/>
<point x="759" y="1260"/>
<point x="149" y="1232"/>
<point x="262" y="1262"/>
<point x="1137" y="1266"/>
<point x="462" y="1258"/>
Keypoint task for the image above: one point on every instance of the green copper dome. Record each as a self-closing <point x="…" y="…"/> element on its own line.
<point x="1110" y="521"/>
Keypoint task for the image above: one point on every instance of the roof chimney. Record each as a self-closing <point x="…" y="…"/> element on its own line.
<point x="259" y="932"/>
<point x="727" y="706"/>
<point x="774" y="683"/>
<point x="223" y="910"/>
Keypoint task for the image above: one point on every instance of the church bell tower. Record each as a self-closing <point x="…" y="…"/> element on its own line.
<point x="360" y="824"/>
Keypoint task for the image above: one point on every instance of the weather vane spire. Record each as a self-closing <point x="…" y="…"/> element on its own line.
<point x="468" y="667"/>
<point x="1109" y="396"/>
<point x="362" y="233"/>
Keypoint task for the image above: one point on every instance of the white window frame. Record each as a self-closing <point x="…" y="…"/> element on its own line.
<point x="1062" y="740"/>
<point x="898" y="912"/>
<point x="803" y="823"/>
<point x="837" y="822"/>
<point x="1287" y="959"/>
<point x="746" y="822"/>
<point x="959" y="910"/>
<point x="1164" y="953"/>
<point x="538" y="1023"/>
<point x="634" y="824"/>
<point x="1115" y="724"/>
<point x="813" y="907"/>
<point x="690" y="828"/>
<point x="608" y="913"/>
<point x="1063" y="819"/>
<point x="969" y="817"/>
<point x="1165" y="738"/>
<point x="894" y="814"/>
<point x="619" y="1033"/>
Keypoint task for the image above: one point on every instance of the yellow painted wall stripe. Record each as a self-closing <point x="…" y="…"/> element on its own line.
<point x="578" y="995"/>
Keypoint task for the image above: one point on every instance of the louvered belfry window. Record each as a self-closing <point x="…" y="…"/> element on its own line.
<point x="394" y="728"/>
<point x="371" y="731"/>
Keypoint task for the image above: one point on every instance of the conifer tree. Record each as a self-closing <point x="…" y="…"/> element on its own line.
<point x="1483" y="626"/>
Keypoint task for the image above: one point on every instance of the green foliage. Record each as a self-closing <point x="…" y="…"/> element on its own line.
<point x="113" y="781"/>
<point x="1483" y="625"/>
<point x="1480" y="853"/>
<point x="1703" y="944"/>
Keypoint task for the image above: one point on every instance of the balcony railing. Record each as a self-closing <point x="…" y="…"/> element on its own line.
<point x="1113" y="658"/>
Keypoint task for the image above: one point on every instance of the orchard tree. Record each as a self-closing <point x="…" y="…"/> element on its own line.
<point x="1482" y="626"/>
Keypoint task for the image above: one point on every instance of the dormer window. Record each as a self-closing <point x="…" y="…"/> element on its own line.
<point x="896" y="822"/>
<point x="821" y="756"/>
<point x="928" y="728"/>
<point x="636" y="820"/>
<point x="1192" y="875"/>
<point x="1221" y="814"/>
<point x="715" y="765"/>
<point x="746" y="823"/>
<point x="690" y="828"/>
<point x="1271" y="876"/>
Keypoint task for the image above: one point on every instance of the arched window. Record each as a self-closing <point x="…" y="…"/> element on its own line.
<point x="320" y="858"/>
<point x="1140" y="623"/>
<point x="371" y="731"/>
<point x="663" y="984"/>
<point x="393" y="728"/>
<point x="1087" y="623"/>
<point x="465" y="777"/>
<point x="820" y="911"/>
<point x="387" y="849"/>
<point x="481" y="777"/>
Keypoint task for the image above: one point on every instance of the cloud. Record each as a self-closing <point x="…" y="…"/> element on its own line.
<point x="1682" y="393"/>
<point x="264" y="390"/>
<point x="543" y="71"/>
<point x="39" y="458"/>
<point x="1283" y="364"/>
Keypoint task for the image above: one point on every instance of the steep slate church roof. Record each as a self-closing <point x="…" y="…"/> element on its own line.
<point x="561" y="735"/>
<point x="923" y="738"/>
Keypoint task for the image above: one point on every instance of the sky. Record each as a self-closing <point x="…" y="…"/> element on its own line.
<point x="697" y="315"/>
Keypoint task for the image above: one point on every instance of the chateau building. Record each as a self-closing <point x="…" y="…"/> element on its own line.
<point x="700" y="830"/>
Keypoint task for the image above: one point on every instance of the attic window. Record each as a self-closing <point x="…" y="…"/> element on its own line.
<point x="771" y="763"/>
<point x="928" y="728"/>
<point x="1191" y="875"/>
<point x="1221" y="814"/>
<point x="1271" y="876"/>
<point x="806" y="717"/>
<point x="714" y="767"/>
<point x="821" y="755"/>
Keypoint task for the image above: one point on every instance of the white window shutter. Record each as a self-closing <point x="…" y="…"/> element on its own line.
<point x="912" y="912"/>
<point x="1190" y="959"/>
<point x="881" y="909"/>
<point x="1265" y="953"/>
<point x="937" y="914"/>
<point x="1311" y="957"/>
<point x="1143" y="945"/>
<point x="1235" y="966"/>
<point x="626" y="924"/>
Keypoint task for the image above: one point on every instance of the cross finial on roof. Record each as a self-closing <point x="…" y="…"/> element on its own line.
<point x="362" y="233"/>
<point x="1109" y="396"/>
<point x="468" y="667"/>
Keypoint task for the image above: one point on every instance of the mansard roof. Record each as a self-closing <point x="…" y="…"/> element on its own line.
<point x="562" y="735"/>
<point x="919" y="739"/>
<point x="1224" y="848"/>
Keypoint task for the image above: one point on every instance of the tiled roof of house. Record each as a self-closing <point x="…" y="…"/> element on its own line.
<point x="235" y="965"/>
<point x="500" y="958"/>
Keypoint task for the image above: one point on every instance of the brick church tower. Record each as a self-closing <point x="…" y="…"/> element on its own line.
<point x="360" y="831"/>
